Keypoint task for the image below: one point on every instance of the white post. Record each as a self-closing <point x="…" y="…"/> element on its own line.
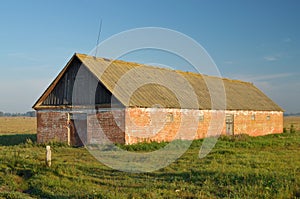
<point x="48" y="156"/>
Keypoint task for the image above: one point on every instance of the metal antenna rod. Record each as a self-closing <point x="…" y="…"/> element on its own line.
<point x="100" y="27"/>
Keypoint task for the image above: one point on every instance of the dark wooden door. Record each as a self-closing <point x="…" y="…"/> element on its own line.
<point x="78" y="130"/>
<point x="229" y="124"/>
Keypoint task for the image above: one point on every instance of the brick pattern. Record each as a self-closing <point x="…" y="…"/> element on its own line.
<point x="150" y="124"/>
<point x="52" y="126"/>
<point x="260" y="124"/>
<point x="134" y="125"/>
<point x="159" y="124"/>
<point x="212" y="124"/>
<point x="106" y="125"/>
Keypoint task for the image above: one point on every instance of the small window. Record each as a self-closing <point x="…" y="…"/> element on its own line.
<point x="201" y="118"/>
<point x="253" y="117"/>
<point x="169" y="117"/>
<point x="268" y="117"/>
<point x="229" y="118"/>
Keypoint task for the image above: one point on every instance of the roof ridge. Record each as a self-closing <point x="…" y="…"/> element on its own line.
<point x="80" y="55"/>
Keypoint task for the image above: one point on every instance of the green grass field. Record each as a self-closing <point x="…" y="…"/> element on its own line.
<point x="238" y="167"/>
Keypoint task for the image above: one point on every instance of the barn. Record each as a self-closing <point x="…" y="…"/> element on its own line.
<point x="95" y="100"/>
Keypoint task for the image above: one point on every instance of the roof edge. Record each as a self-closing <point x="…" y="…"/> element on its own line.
<point x="85" y="56"/>
<point x="53" y="84"/>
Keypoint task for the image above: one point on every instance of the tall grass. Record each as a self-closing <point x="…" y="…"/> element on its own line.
<point x="11" y="140"/>
<point x="238" y="167"/>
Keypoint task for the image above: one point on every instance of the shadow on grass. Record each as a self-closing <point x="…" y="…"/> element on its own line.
<point x="15" y="139"/>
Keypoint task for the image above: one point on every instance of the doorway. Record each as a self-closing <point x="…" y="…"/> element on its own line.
<point x="229" y="124"/>
<point x="78" y="129"/>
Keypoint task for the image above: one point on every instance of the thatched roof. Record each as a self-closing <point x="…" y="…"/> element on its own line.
<point x="138" y="85"/>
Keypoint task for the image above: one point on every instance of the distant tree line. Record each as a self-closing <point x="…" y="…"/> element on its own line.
<point x="27" y="114"/>
<point x="291" y="114"/>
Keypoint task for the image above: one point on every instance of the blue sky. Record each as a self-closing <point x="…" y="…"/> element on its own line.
<point x="256" y="41"/>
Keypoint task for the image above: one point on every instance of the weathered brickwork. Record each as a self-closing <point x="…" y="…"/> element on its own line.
<point x="257" y="123"/>
<point x="149" y="124"/>
<point x="52" y="126"/>
<point x="158" y="124"/>
<point x="132" y="125"/>
<point x="108" y="125"/>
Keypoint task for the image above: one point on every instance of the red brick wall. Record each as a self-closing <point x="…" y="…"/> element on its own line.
<point x="134" y="125"/>
<point x="106" y="124"/>
<point x="51" y="126"/>
<point x="158" y="124"/>
<point x="150" y="124"/>
<point x="260" y="125"/>
<point x="212" y="124"/>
